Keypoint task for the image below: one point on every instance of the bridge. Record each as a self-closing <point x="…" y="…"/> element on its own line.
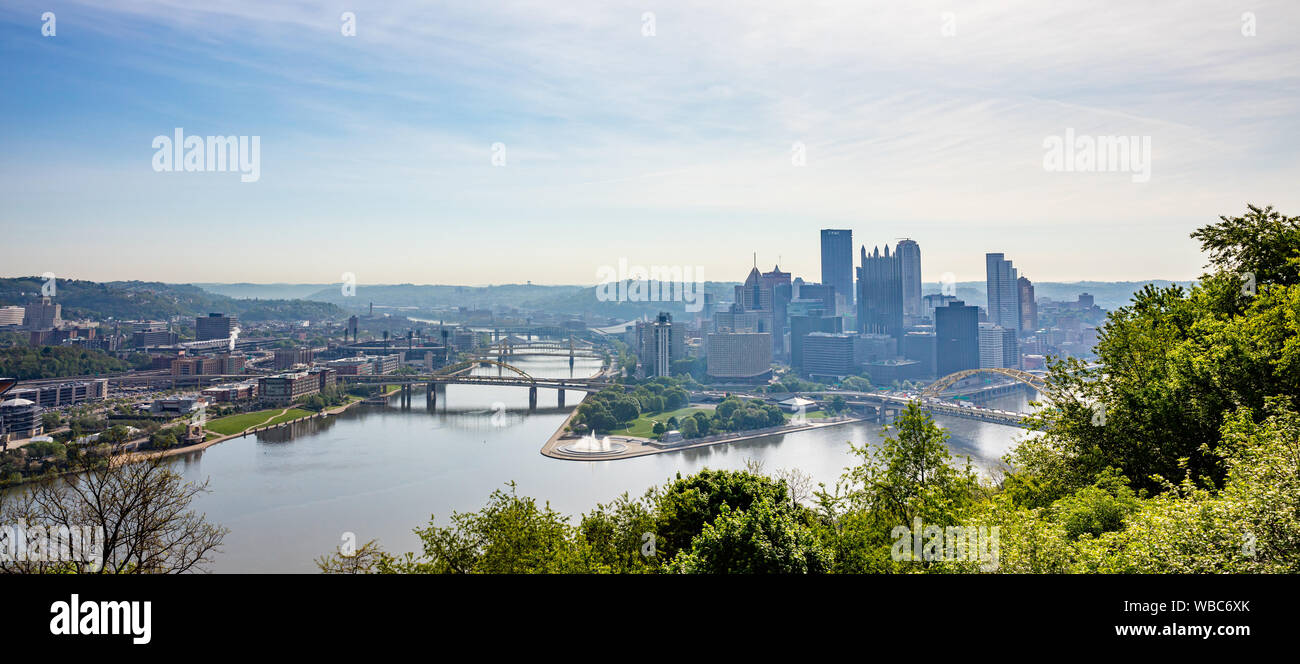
<point x="932" y="401"/>
<point x="1032" y="380"/>
<point x="460" y="374"/>
<point x="526" y="348"/>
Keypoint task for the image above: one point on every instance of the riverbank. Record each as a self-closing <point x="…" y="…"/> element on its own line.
<point x="638" y="447"/>
<point x="173" y="451"/>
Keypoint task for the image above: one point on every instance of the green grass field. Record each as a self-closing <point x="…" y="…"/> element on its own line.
<point x="642" y="426"/>
<point x="234" y="424"/>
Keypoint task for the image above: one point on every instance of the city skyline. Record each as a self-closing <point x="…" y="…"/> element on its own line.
<point x="734" y="128"/>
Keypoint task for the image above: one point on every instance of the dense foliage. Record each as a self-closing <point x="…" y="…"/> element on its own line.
<point x="32" y="363"/>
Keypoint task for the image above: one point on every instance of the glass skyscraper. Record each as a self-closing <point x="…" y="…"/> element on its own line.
<point x="880" y="294"/>
<point x="837" y="262"/>
<point x="909" y="255"/>
<point x="1003" y="292"/>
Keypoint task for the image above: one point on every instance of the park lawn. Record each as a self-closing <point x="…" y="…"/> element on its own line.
<point x="233" y="424"/>
<point x="815" y="415"/>
<point x="291" y="414"/>
<point x="642" y="426"/>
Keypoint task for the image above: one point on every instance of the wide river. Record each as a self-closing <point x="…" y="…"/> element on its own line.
<point x="289" y="495"/>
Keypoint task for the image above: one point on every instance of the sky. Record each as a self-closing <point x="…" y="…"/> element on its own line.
<point x="658" y="133"/>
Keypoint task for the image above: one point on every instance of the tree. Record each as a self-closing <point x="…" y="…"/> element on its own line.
<point x="139" y="507"/>
<point x="1174" y="364"/>
<point x="686" y="504"/>
<point x="1262" y="242"/>
<point x="365" y="560"/>
<point x="908" y="475"/>
<point x="763" y="539"/>
<point x="690" y="427"/>
<point x="511" y="535"/>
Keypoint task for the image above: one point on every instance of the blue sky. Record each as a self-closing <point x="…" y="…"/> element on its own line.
<point x="671" y="149"/>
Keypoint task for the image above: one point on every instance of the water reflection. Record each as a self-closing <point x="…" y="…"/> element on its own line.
<point x="288" y="495"/>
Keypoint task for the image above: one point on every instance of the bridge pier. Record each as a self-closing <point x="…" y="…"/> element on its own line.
<point x="532" y="397"/>
<point x="431" y="396"/>
<point x="560" y="399"/>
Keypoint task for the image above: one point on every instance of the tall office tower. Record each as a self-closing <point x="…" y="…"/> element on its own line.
<point x="1003" y="294"/>
<point x="837" y="262"/>
<point x="909" y="255"/>
<point x="214" y="326"/>
<point x="663" y="337"/>
<point x="659" y="344"/>
<point x="880" y="294"/>
<point x="957" y="338"/>
<point x="1028" y="307"/>
<point x="778" y="288"/>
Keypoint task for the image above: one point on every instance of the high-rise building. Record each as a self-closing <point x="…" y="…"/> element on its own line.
<point x="214" y="326"/>
<point x="828" y="354"/>
<point x="1028" y="306"/>
<point x="880" y="293"/>
<point x="43" y="315"/>
<point x="957" y="338"/>
<point x="1003" y="293"/>
<point x="920" y="346"/>
<point x="824" y="292"/>
<point x="837" y="262"/>
<point x="933" y="301"/>
<point x="287" y="358"/>
<point x="909" y="258"/>
<point x="659" y="343"/>
<point x="745" y="356"/>
<point x="998" y="347"/>
<point x="802" y="326"/>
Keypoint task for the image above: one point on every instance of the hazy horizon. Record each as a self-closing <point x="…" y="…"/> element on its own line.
<point x="662" y="133"/>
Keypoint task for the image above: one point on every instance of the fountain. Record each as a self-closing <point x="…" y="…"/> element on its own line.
<point x="589" y="444"/>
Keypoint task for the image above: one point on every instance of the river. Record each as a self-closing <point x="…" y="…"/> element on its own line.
<point x="289" y="495"/>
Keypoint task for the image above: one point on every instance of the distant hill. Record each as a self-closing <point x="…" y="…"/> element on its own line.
<point x="559" y="299"/>
<point x="1108" y="295"/>
<point x="246" y="291"/>
<point x="134" y="300"/>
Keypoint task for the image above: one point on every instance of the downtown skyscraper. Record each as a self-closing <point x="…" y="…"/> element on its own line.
<point x="909" y="256"/>
<point x="1003" y="292"/>
<point x="880" y="293"/>
<point x="837" y="262"/>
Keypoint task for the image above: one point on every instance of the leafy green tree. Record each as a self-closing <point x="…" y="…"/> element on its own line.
<point x="619" y="534"/>
<point x="511" y="535"/>
<point x="762" y="539"/>
<point x="690" y="427"/>
<point x="686" y="504"/>
<point x="1174" y="364"/>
